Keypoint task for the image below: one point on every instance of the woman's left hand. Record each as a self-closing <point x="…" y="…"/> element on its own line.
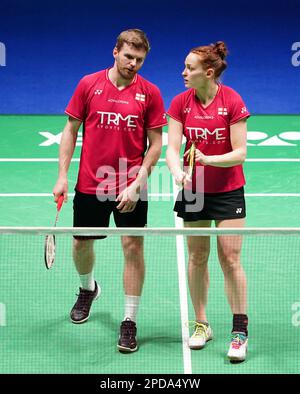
<point x="199" y="157"/>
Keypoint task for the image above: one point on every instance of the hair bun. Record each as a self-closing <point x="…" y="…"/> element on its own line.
<point x="221" y="49"/>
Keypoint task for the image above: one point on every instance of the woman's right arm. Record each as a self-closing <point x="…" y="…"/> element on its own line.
<point x="173" y="151"/>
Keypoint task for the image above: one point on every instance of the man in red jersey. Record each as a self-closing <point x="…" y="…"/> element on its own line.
<point x="211" y="116"/>
<point x="120" y="111"/>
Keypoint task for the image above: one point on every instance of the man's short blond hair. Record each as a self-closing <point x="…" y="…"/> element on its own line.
<point x="133" y="37"/>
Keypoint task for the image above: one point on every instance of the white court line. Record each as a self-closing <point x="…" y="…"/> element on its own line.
<point x="37" y="160"/>
<point x="187" y="360"/>
<point x="273" y="160"/>
<point x="29" y="194"/>
<point x="272" y="194"/>
<point x="151" y="194"/>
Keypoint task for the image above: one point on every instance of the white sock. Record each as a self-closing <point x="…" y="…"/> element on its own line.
<point x="87" y="281"/>
<point x="131" y="307"/>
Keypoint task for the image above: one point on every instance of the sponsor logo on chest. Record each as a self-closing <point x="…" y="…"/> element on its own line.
<point x="114" y="120"/>
<point x="204" y="133"/>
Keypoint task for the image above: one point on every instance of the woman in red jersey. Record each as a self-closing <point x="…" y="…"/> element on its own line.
<point x="212" y="117"/>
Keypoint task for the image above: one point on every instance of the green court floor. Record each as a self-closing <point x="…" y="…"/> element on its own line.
<point x="35" y="333"/>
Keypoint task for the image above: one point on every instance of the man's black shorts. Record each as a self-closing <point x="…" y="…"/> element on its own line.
<point x="212" y="206"/>
<point x="88" y="211"/>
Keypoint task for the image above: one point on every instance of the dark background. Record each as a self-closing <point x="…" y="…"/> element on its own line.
<point x="50" y="45"/>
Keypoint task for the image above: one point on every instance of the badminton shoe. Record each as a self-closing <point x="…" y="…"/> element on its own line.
<point x="81" y="309"/>
<point x="127" y="339"/>
<point x="202" y="334"/>
<point x="238" y="347"/>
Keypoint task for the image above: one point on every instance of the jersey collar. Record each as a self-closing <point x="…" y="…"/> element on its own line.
<point x="198" y="101"/>
<point x="131" y="83"/>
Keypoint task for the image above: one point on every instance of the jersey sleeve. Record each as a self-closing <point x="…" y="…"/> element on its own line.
<point x="175" y="109"/>
<point x="155" y="114"/>
<point x="77" y="105"/>
<point x="237" y="108"/>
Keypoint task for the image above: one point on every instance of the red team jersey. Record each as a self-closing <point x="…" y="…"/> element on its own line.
<point x="115" y="124"/>
<point x="210" y="129"/>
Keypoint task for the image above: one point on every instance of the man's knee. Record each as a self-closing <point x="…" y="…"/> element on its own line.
<point x="133" y="247"/>
<point x="82" y="245"/>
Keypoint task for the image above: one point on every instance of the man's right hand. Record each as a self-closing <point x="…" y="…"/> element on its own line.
<point x="180" y="178"/>
<point x="61" y="188"/>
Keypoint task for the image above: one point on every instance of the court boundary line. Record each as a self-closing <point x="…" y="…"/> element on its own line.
<point x="187" y="357"/>
<point x="55" y="160"/>
<point x="149" y="195"/>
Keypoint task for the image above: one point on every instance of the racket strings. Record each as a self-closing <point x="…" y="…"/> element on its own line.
<point x="49" y="250"/>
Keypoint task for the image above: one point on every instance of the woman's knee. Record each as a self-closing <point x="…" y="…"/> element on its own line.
<point x="198" y="256"/>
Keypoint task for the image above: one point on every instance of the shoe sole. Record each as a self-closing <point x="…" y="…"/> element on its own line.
<point x="233" y="359"/>
<point x="200" y="347"/>
<point x="80" y="321"/>
<point x="87" y="318"/>
<point x="123" y="349"/>
<point x="236" y="360"/>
